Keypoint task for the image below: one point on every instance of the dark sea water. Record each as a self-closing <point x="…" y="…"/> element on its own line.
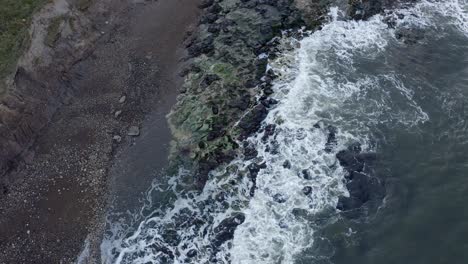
<point x="424" y="218"/>
<point x="397" y="84"/>
<point x="425" y="215"/>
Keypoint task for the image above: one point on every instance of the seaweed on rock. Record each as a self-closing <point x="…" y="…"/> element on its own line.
<point x="219" y="103"/>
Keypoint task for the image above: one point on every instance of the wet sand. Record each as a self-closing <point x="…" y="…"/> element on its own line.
<point x="61" y="194"/>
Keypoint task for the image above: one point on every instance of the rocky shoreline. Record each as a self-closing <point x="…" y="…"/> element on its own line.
<point x="225" y="96"/>
<point x="224" y="99"/>
<point x="56" y="192"/>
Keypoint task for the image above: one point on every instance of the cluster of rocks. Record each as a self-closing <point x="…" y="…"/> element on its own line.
<point x="364" y="9"/>
<point x="225" y="98"/>
<point x="219" y="102"/>
<point x="362" y="185"/>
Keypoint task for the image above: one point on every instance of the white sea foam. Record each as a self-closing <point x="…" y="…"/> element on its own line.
<point x="322" y="81"/>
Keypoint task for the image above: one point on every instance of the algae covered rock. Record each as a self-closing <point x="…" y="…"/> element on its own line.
<point x="219" y="104"/>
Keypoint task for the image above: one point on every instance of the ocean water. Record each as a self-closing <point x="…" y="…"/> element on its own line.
<point x="397" y="84"/>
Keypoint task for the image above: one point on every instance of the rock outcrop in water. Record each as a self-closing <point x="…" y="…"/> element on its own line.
<point x="364" y="9"/>
<point x="363" y="187"/>
<point x="218" y="103"/>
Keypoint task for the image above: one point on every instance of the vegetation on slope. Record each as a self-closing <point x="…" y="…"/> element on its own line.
<point x="15" y="18"/>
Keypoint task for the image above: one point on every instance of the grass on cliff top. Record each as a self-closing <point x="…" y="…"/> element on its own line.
<point x="15" y="18"/>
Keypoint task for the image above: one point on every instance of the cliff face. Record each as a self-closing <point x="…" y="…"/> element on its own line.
<point x="60" y="35"/>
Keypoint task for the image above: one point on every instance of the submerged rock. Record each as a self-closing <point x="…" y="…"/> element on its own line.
<point x="307" y="190"/>
<point x="279" y="198"/>
<point x="362" y="188"/>
<point x="349" y="161"/>
<point x="364" y="9"/>
<point x="250" y="123"/>
<point x="331" y="139"/>
<point x="192" y="253"/>
<point x="306" y="174"/>
<point x="225" y="230"/>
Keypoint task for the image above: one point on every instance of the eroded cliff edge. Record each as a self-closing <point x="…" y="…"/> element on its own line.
<point x="61" y="34"/>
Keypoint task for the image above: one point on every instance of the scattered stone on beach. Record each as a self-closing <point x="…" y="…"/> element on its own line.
<point x="133" y="131"/>
<point x="122" y="99"/>
<point x="117" y="138"/>
<point x="117" y="113"/>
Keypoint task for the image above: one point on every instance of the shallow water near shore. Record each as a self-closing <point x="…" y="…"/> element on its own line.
<point x="396" y="84"/>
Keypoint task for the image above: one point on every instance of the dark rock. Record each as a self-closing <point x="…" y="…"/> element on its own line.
<point x="252" y="189"/>
<point x="279" y="198"/>
<point x="203" y="47"/>
<point x="348" y="159"/>
<point x="359" y="187"/>
<point x="208" y="18"/>
<point x="192" y="253"/>
<point x="306" y="174"/>
<point x="241" y="103"/>
<point x="213" y="28"/>
<point x="348" y="203"/>
<point x="168" y="255"/>
<point x="362" y="189"/>
<point x="318" y="125"/>
<point x="268" y="102"/>
<point x="409" y="35"/>
<point x="250" y="123"/>
<point x="269" y="131"/>
<point x="268" y="91"/>
<point x="215" y="8"/>
<point x="307" y="190"/>
<point x="250" y="152"/>
<point x="365" y="188"/>
<point x="206" y="3"/>
<point x="215" y="133"/>
<point x="273" y="147"/>
<point x="255" y="168"/>
<point x="364" y="9"/>
<point x="209" y="79"/>
<point x="220" y="197"/>
<point x="170" y="236"/>
<point x="367" y="157"/>
<point x="214" y="110"/>
<point x="287" y="164"/>
<point x="355" y="147"/>
<point x="251" y="83"/>
<point x="201" y="145"/>
<point x="331" y="139"/>
<point x="225" y="230"/>
<point x="261" y="65"/>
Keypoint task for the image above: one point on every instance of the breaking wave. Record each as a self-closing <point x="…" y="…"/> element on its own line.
<point x="266" y="209"/>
